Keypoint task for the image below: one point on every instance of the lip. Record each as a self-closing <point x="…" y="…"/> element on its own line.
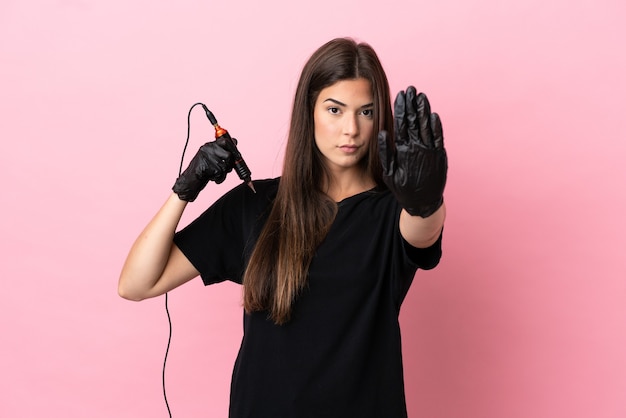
<point x="349" y="149"/>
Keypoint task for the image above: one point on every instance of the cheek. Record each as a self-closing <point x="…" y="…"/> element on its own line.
<point x="367" y="129"/>
<point x="323" y="129"/>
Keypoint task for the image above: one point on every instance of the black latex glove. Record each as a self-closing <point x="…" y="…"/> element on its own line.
<point x="211" y="163"/>
<point x="415" y="164"/>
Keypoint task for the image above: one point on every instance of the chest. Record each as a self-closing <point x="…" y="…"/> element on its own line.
<point x="358" y="251"/>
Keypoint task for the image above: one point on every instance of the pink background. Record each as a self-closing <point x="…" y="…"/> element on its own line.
<point x="524" y="317"/>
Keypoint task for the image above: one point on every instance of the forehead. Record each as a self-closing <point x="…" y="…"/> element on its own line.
<point x="354" y="92"/>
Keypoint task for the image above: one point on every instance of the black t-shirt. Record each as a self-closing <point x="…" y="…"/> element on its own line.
<point x="340" y="355"/>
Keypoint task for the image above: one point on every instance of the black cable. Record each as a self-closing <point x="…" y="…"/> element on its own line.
<point x="167" y="350"/>
<point x="167" y="311"/>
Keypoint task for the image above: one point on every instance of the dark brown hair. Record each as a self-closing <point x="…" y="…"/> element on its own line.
<point x="302" y="213"/>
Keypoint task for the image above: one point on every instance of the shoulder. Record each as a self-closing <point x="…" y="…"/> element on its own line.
<point x="265" y="193"/>
<point x="266" y="187"/>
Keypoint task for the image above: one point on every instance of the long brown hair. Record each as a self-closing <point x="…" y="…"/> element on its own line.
<point x="302" y="213"/>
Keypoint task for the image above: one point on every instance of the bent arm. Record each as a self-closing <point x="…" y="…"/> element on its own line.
<point x="154" y="264"/>
<point x="422" y="232"/>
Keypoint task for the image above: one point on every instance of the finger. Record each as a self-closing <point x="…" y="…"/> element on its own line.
<point x="220" y="177"/>
<point x="218" y="152"/>
<point x="225" y="166"/>
<point x="399" y="117"/>
<point x="227" y="143"/>
<point x="411" y="115"/>
<point x="220" y="167"/>
<point x="385" y="153"/>
<point x="423" y="115"/>
<point x="435" y="124"/>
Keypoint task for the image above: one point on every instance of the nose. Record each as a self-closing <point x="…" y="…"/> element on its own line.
<point x="351" y="125"/>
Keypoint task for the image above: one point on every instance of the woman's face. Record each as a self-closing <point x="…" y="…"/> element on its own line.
<point x="344" y="123"/>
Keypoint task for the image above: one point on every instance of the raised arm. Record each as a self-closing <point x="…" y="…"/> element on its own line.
<point x="415" y="167"/>
<point x="154" y="264"/>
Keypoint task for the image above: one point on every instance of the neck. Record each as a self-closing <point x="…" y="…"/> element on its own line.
<point x="347" y="184"/>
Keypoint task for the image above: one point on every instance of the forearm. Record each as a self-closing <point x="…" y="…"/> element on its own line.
<point x="422" y="232"/>
<point x="150" y="253"/>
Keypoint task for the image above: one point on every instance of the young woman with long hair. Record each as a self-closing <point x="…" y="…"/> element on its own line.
<point x="325" y="253"/>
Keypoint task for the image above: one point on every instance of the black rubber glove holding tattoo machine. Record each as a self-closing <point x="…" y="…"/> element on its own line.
<point x="213" y="161"/>
<point x="414" y="163"/>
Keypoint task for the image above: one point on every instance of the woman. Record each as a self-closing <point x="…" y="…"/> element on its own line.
<point x="326" y="253"/>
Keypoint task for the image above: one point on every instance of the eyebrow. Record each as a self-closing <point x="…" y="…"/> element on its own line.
<point x="337" y="102"/>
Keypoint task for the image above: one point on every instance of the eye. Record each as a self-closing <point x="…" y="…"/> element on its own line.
<point x="334" y="110"/>
<point x="368" y="113"/>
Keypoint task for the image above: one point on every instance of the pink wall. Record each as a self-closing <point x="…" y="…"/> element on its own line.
<point x="525" y="316"/>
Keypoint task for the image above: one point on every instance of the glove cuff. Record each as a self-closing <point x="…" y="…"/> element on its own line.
<point x="424" y="211"/>
<point x="184" y="193"/>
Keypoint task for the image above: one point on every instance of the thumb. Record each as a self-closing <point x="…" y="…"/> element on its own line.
<point x="386" y="153"/>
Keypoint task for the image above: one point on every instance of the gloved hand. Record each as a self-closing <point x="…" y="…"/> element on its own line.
<point x="211" y="163"/>
<point x="415" y="164"/>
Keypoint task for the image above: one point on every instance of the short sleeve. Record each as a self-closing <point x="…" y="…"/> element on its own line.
<point x="219" y="241"/>
<point x="425" y="258"/>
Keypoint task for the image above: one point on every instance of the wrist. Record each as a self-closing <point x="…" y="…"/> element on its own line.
<point x="422" y="232"/>
<point x="421" y="209"/>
